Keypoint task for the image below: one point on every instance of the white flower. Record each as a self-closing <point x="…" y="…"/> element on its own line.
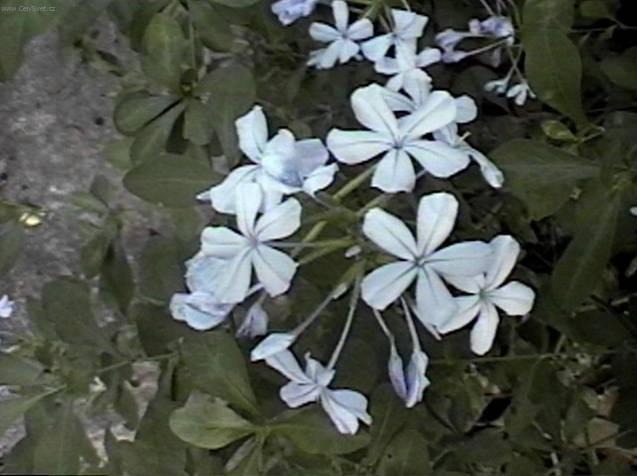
<point x="255" y="322"/>
<point x="408" y="386"/>
<point x="344" y="407"/>
<point x="6" y="307"/>
<point x="273" y="344"/>
<point x="281" y="165"/>
<point x="250" y="249"/>
<point x="289" y="11"/>
<point x="520" y="92"/>
<point x="201" y="309"/>
<point x="417" y="93"/>
<point x="488" y="293"/>
<point x="406" y="67"/>
<point x="342" y="39"/>
<point x="497" y="86"/>
<point x="421" y="260"/>
<point x="494" y="27"/>
<point x="407" y="28"/>
<point x="491" y="173"/>
<point x="398" y="139"/>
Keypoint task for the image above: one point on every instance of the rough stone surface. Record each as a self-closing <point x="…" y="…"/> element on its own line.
<point x="55" y="119"/>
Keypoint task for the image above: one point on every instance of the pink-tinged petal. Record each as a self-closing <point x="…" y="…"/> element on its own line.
<point x="274" y="269"/>
<point x="384" y="285"/>
<point x="468" y="309"/>
<point x="354" y="147"/>
<point x="222" y="242"/>
<point x="437" y="111"/>
<point x="484" y="330"/>
<point x="296" y="395"/>
<point x="360" y="29"/>
<point x="233" y="285"/>
<point x="377" y="47"/>
<point x="437" y="214"/>
<point x="438" y="158"/>
<point x="514" y="298"/>
<point x="249" y="201"/>
<point x="279" y="221"/>
<point x="389" y="233"/>
<point x="371" y="110"/>
<point x="394" y="173"/>
<point x="434" y="301"/>
<point x="252" y="130"/>
<point x="324" y="33"/>
<point x="505" y="254"/>
<point x="468" y="258"/>
<point x="273" y="344"/>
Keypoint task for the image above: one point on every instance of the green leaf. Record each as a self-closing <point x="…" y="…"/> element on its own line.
<point x="151" y="141"/>
<point x="250" y="459"/>
<point x="406" y="455"/>
<point x="16" y="370"/>
<point x="170" y="180"/>
<point x="558" y="131"/>
<point x="595" y="9"/>
<point x="198" y="120"/>
<point x="218" y="368"/>
<point x="13" y="408"/>
<point x="81" y="17"/>
<point x="581" y="267"/>
<point x="133" y="111"/>
<point x="389" y="415"/>
<point x="554" y="69"/>
<point x="235" y="3"/>
<point x="94" y="251"/>
<point x="117" y="153"/>
<point x="11" y="242"/>
<point x="209" y="424"/>
<point x="117" y="275"/>
<point x="312" y="431"/>
<point x="164" y="45"/>
<point x="540" y="175"/>
<point x="160" y="270"/>
<point x="231" y="91"/>
<point x="622" y="69"/>
<point x="213" y="30"/>
<point x="156" y="328"/>
<point x="548" y="13"/>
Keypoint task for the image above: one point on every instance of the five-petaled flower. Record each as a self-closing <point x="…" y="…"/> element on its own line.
<point x="420" y="260"/>
<point x="343" y="38"/>
<point x="407" y="27"/>
<point x="398" y="139"/>
<point x="252" y="248"/>
<point x="488" y="294"/>
<point x="344" y="407"/>
<point x="406" y="68"/>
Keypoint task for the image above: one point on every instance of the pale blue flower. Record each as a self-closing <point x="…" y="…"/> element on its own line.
<point x="407" y="27"/>
<point x="6" y="307"/>
<point x="289" y="11"/>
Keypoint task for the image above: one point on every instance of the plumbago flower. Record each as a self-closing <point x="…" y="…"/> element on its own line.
<point x="407" y="27"/>
<point x="289" y="11"/>
<point x="488" y="294"/>
<point x="398" y="139"/>
<point x="251" y="249"/>
<point x="406" y="67"/>
<point x="342" y="38"/>
<point x="281" y="165"/>
<point x="421" y="260"/>
<point x="6" y="307"/>
<point x="344" y="407"/>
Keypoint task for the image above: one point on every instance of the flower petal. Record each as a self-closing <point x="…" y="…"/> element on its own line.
<point x="349" y="49"/>
<point x="484" y="330"/>
<point x="427" y="57"/>
<point x="249" y="200"/>
<point x="468" y="258"/>
<point x="233" y="285"/>
<point x="200" y="310"/>
<point x="394" y="173"/>
<point x="273" y="344"/>
<point x="377" y="47"/>
<point x="274" y="269"/>
<point x="353" y="147"/>
<point x="341" y="15"/>
<point x="310" y="154"/>
<point x="319" y="179"/>
<point x="437" y="214"/>
<point x="279" y="221"/>
<point x="468" y="309"/>
<point x="434" y="301"/>
<point x="255" y="323"/>
<point x="388" y="66"/>
<point x="417" y="381"/>
<point x="514" y="298"/>
<point x="466" y="109"/>
<point x="324" y="33"/>
<point x="438" y="158"/>
<point x="222" y="242"/>
<point x="360" y="29"/>
<point x="372" y="111"/>
<point x="295" y="394"/>
<point x="328" y="56"/>
<point x="437" y="111"/>
<point x="408" y="24"/>
<point x="397" y="372"/>
<point x="252" y="130"/>
<point x="491" y="173"/>
<point x="223" y="196"/>
<point x="505" y="254"/>
<point x="389" y="233"/>
<point x="345" y="408"/>
<point x="384" y="285"/>
<point x="285" y="363"/>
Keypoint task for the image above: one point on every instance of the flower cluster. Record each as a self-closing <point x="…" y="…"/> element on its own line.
<point x="412" y="129"/>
